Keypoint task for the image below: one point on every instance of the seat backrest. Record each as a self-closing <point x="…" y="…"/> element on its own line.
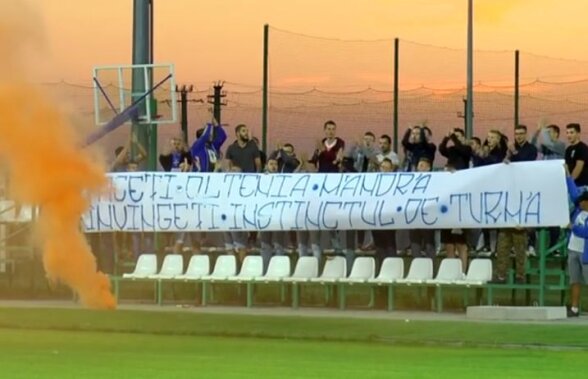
<point x="363" y="268"/>
<point x="198" y="266"/>
<point x="450" y="269"/>
<point x="173" y="264"/>
<point x="252" y="266"/>
<point x="226" y="265"/>
<point x="392" y="269"/>
<point x="279" y="267"/>
<point x="335" y="268"/>
<point x="306" y="267"/>
<point x="480" y="270"/>
<point x="146" y="265"/>
<point x="420" y="269"/>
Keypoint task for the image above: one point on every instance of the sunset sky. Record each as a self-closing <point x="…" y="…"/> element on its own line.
<point x="210" y="40"/>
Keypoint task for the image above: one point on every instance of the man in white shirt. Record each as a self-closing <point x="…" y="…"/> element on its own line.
<point x="386" y="152"/>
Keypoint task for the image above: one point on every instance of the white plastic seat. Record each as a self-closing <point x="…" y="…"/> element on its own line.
<point x="392" y="270"/>
<point x="421" y="269"/>
<point x="252" y="267"/>
<point x="479" y="273"/>
<point x="146" y="266"/>
<point x="225" y="267"/>
<point x="334" y="270"/>
<point x="450" y="270"/>
<point x="277" y="270"/>
<point x="173" y="265"/>
<point x="198" y="267"/>
<point x="364" y="269"/>
<point x="306" y="269"/>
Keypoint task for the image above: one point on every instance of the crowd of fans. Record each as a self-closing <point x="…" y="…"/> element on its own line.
<point x="371" y="153"/>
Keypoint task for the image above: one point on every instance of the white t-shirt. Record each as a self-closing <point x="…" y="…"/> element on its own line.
<point x="577" y="243"/>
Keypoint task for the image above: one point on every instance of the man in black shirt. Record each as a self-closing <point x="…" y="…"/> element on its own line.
<point x="521" y="150"/>
<point x="516" y="239"/>
<point x="577" y="156"/>
<point x="243" y="153"/>
<point x="459" y="153"/>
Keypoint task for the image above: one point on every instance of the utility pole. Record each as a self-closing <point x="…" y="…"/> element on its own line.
<point x="216" y="99"/>
<point x="183" y="91"/>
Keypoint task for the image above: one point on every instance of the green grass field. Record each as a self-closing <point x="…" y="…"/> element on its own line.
<point x="62" y="343"/>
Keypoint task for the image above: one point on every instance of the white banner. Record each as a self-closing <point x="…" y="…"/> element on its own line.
<point x="504" y="195"/>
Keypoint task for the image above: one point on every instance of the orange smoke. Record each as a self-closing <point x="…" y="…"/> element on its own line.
<point x="47" y="168"/>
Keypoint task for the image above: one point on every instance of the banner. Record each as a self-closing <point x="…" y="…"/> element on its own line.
<point x="526" y="194"/>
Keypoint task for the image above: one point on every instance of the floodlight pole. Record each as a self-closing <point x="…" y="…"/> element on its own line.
<point x="469" y="112"/>
<point x="143" y="54"/>
<point x="265" y="89"/>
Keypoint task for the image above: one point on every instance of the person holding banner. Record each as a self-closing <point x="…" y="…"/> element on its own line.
<point x="328" y="158"/>
<point x="546" y="138"/>
<point x="385" y="239"/>
<point x="272" y="242"/>
<point x="455" y="240"/>
<point x="577" y="245"/>
<point x="514" y="239"/>
<point x="422" y="241"/>
<point x="492" y="151"/>
<point x="243" y="154"/>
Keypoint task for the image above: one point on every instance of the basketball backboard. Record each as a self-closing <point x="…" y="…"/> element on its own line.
<point x="153" y="84"/>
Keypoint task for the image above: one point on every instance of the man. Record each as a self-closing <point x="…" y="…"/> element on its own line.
<point x="459" y="153"/>
<point x="328" y="158"/>
<point x="455" y="240"/>
<point x="515" y="239"/>
<point x="493" y="150"/>
<point x="385" y="144"/>
<point x="385" y="239"/>
<point x="546" y="138"/>
<point x="417" y="144"/>
<point x="329" y="153"/>
<point x="364" y="153"/>
<point x="422" y="241"/>
<point x="206" y="148"/>
<point x="205" y="151"/>
<point x="243" y="154"/>
<point x="576" y="157"/>
<point x="123" y="155"/>
<point x="272" y="243"/>
<point x="363" y="159"/>
<point x="521" y="150"/>
<point x="176" y="158"/>
<point x="577" y="246"/>
<point x="287" y="160"/>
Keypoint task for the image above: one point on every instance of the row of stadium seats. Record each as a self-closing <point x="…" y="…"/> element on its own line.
<point x="363" y="272"/>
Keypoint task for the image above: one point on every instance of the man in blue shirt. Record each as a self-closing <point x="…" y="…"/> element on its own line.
<point x="206" y="149"/>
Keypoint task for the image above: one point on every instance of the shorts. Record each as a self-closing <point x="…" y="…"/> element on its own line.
<point x="453" y="236"/>
<point x="576" y="269"/>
